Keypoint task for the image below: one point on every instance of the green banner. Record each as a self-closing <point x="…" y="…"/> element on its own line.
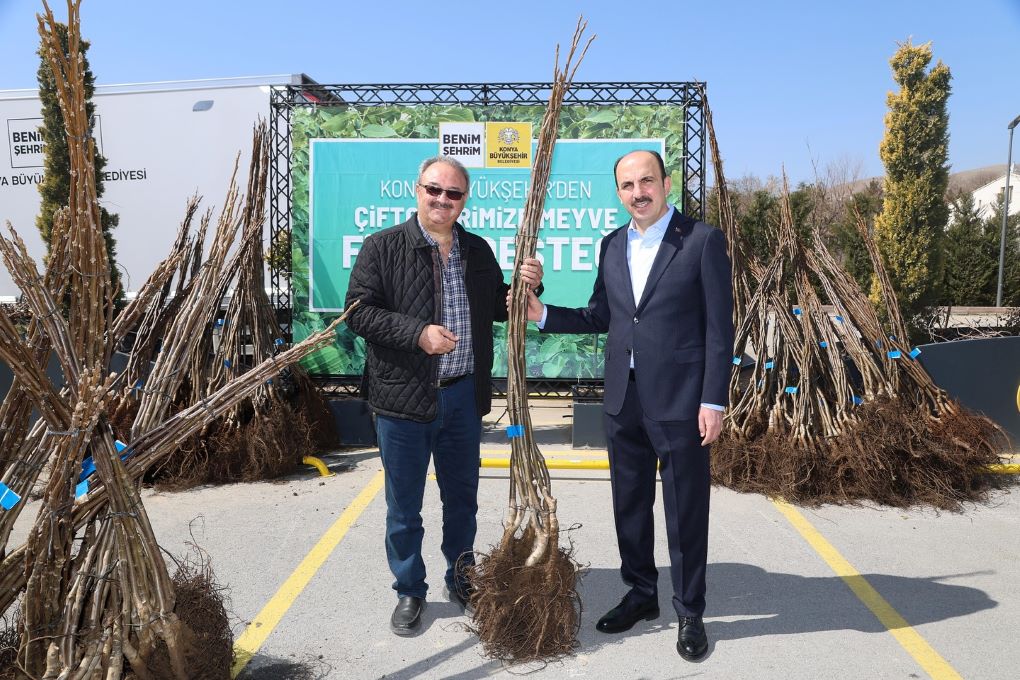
<point x="353" y="171"/>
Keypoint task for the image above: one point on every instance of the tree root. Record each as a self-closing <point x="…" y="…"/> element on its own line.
<point x="525" y="613"/>
<point x="892" y="457"/>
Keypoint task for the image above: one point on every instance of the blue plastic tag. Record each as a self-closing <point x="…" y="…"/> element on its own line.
<point x="839" y="319"/>
<point x="514" y="431"/>
<point x="8" y="499"/>
<point x="736" y="361"/>
<point x="894" y="354"/>
<point x="914" y="352"/>
<point x="823" y="343"/>
<point x="87" y="468"/>
<point x="791" y="390"/>
<point x="858" y="400"/>
<point x="796" y="311"/>
<point x="769" y="365"/>
<point x="81" y="489"/>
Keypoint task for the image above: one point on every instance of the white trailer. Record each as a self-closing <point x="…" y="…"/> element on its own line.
<point x="163" y="143"/>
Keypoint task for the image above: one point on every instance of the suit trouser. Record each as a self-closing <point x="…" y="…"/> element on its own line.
<point x="636" y="444"/>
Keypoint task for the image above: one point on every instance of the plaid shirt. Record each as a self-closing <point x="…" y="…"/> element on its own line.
<point x="456" y="312"/>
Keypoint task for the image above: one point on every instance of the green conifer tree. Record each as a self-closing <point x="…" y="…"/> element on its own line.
<point x="56" y="183"/>
<point x="1011" y="260"/>
<point x="970" y="261"/>
<point x="910" y="229"/>
<point x="845" y="240"/>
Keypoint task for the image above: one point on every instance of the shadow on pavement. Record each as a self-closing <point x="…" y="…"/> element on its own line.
<point x="486" y="668"/>
<point x="762" y="603"/>
<point x="271" y="668"/>
<point x="337" y="462"/>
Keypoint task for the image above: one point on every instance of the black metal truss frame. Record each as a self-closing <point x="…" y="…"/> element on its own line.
<point x="284" y="99"/>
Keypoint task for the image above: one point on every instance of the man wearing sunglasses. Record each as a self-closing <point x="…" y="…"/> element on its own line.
<point x="430" y="292"/>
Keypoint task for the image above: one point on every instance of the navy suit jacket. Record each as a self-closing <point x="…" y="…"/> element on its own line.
<point x="681" y="331"/>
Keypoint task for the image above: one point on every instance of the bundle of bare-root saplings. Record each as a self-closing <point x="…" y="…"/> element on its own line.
<point x="835" y="407"/>
<point x="185" y="347"/>
<point x="526" y="607"/>
<point x="95" y="594"/>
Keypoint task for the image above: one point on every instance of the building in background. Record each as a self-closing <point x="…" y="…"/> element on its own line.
<point x="988" y="195"/>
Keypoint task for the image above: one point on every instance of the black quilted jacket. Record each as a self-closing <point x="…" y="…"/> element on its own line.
<point x="397" y="278"/>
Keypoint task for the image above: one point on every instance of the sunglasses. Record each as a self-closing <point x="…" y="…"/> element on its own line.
<point x="436" y="192"/>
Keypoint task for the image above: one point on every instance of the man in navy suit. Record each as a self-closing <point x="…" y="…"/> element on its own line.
<point x="664" y="297"/>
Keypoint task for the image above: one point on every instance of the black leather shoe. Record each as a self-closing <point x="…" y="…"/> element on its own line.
<point x="406" y="617"/>
<point x="691" y="641"/>
<point x="460" y="597"/>
<point x="632" y="608"/>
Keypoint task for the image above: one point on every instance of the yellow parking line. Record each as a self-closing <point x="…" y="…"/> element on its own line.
<point x="266" y="620"/>
<point x="909" y="639"/>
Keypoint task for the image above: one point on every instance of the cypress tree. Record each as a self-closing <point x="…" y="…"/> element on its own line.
<point x="910" y="229"/>
<point x="56" y="183"/>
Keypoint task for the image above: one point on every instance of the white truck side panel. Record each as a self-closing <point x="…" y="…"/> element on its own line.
<point x="160" y="147"/>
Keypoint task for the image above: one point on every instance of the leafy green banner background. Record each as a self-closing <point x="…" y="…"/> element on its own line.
<point x="549" y="356"/>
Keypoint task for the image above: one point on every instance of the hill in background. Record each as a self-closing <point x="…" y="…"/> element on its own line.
<point x="965" y="180"/>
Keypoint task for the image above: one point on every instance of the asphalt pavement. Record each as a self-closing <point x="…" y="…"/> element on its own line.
<point x="793" y="593"/>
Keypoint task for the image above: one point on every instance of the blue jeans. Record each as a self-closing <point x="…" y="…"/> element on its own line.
<point x="453" y="439"/>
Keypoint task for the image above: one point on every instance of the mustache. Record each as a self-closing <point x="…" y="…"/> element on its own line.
<point x="440" y="204"/>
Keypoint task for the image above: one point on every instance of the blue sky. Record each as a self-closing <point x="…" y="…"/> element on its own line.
<point x="800" y="84"/>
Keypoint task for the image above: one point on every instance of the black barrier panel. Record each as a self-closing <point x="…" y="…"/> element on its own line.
<point x="353" y="421"/>
<point x="983" y="374"/>
<point x="6" y="379"/>
<point x="589" y="429"/>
